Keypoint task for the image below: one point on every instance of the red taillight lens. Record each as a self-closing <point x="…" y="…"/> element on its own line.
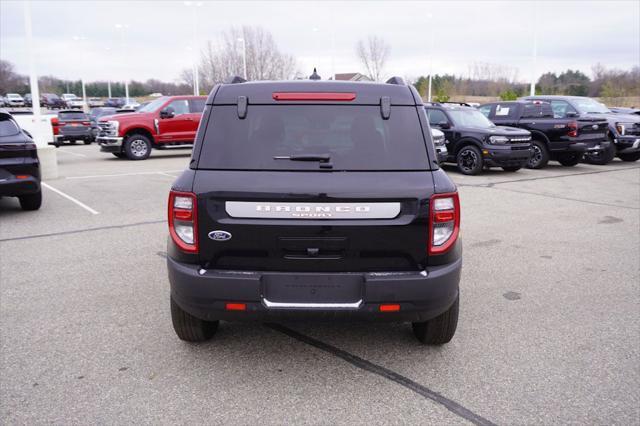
<point x="235" y="306"/>
<point x="86" y="123"/>
<point x="390" y="307"/>
<point x="54" y="125"/>
<point x="22" y="176"/>
<point x="444" y="222"/>
<point x="183" y="220"/>
<point x="573" y="129"/>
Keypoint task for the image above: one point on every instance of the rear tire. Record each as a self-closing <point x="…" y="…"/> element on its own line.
<point x="469" y="160"/>
<point x="633" y="156"/>
<point x="512" y="168"/>
<point x="439" y="330"/>
<point x="190" y="328"/>
<point x="603" y="157"/>
<point x="569" y="159"/>
<point x="137" y="147"/>
<point x="88" y="141"/>
<point x="31" y="201"/>
<point x="540" y="156"/>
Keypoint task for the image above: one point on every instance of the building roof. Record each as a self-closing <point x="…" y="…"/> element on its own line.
<point x="352" y="76"/>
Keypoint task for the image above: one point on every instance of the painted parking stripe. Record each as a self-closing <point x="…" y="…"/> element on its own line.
<point x="71" y="153"/>
<point x="70" y="198"/>
<point x="124" y="174"/>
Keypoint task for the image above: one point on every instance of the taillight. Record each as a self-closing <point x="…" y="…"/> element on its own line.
<point x="86" y="123"/>
<point x="444" y="222"/>
<point x="183" y="220"/>
<point x="573" y="129"/>
<point x="54" y="125"/>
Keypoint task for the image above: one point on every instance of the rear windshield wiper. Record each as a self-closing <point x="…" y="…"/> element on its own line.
<point x="323" y="158"/>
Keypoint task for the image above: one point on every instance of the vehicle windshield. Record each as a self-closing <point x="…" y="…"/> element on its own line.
<point x="304" y="137"/>
<point x="152" y="106"/>
<point x="589" y="106"/>
<point x="72" y="115"/>
<point x="470" y="118"/>
<point x="8" y="127"/>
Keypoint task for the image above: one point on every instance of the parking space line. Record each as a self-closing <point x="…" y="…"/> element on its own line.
<point x="70" y="198"/>
<point x="167" y="174"/>
<point x="123" y="174"/>
<point x="71" y="153"/>
<point x="363" y="364"/>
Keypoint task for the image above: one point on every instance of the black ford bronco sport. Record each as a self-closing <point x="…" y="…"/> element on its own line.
<point x="475" y="143"/>
<point x="314" y="199"/>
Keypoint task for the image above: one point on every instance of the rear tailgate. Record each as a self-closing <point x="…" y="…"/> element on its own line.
<point x="592" y="129"/>
<point x="313" y="221"/>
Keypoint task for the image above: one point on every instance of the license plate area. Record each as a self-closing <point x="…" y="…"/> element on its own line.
<point x="313" y="291"/>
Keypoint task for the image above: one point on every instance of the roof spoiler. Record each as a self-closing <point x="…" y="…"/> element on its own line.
<point x="235" y="79"/>
<point x="396" y="80"/>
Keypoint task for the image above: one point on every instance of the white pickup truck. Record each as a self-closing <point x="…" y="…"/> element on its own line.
<point x="72" y="100"/>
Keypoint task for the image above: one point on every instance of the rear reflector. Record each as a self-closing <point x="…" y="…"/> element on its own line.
<point x="390" y="307"/>
<point x="22" y="176"/>
<point x="235" y="307"/>
<point x="314" y="96"/>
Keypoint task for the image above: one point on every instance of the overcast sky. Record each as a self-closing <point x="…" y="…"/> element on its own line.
<point x="571" y="34"/>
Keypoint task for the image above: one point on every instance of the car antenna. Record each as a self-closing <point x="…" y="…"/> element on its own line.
<point x="315" y="75"/>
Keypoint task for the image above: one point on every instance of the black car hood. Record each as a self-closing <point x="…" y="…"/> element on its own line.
<point x="498" y="131"/>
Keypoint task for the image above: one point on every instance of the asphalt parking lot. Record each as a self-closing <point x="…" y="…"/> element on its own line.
<point x="549" y="327"/>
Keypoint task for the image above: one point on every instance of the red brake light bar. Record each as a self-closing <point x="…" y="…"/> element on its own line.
<point x="314" y="96"/>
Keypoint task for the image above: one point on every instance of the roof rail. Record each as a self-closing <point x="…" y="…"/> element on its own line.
<point x="456" y="103"/>
<point x="235" y="80"/>
<point x="396" y="80"/>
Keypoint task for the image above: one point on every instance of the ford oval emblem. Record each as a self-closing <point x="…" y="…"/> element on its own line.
<point x="220" y="235"/>
<point x="594" y="127"/>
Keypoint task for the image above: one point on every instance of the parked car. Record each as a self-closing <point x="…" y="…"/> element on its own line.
<point x="165" y="122"/>
<point x="71" y="126"/>
<point x="621" y="110"/>
<point x="14" y="100"/>
<point x="322" y="199"/>
<point x="440" y="144"/>
<point x="115" y="102"/>
<point x="52" y="101"/>
<point x="132" y="105"/>
<point x="27" y="100"/>
<point x="474" y="142"/>
<point x="19" y="164"/>
<point x="624" y="129"/>
<point x="95" y="114"/>
<point x="72" y="101"/>
<point x="561" y="139"/>
<point x="95" y="102"/>
<point x="3" y="102"/>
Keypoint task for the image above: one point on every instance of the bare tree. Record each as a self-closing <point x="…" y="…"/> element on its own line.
<point x="225" y="58"/>
<point x="373" y="53"/>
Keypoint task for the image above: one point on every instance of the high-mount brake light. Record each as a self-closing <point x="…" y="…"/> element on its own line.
<point x="314" y="96"/>
<point x="183" y="220"/>
<point x="573" y="129"/>
<point x="444" y="222"/>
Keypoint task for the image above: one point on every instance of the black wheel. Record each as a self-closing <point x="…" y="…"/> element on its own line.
<point x="512" y="168"/>
<point x="120" y="154"/>
<point x="31" y="201"/>
<point x="440" y="329"/>
<point x="73" y="142"/>
<point x="632" y="156"/>
<point x="190" y="328"/>
<point x="540" y="156"/>
<point x="569" y="159"/>
<point x="469" y="160"/>
<point x="137" y="147"/>
<point x="602" y="157"/>
<point x="87" y="141"/>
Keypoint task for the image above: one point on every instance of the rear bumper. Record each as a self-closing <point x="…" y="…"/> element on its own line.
<point x="627" y="144"/>
<point x="421" y="295"/>
<point x="11" y="186"/>
<point x="506" y="155"/>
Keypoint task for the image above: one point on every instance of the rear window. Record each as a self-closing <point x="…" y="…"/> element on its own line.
<point x="537" y="110"/>
<point x="8" y="127"/>
<point x="72" y="116"/>
<point x="355" y="138"/>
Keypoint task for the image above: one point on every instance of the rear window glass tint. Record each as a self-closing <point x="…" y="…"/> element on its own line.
<point x="436" y="117"/>
<point x="196" y="105"/>
<point x="8" y="127"/>
<point x="356" y="138"/>
<point x="72" y="116"/>
<point x="537" y="111"/>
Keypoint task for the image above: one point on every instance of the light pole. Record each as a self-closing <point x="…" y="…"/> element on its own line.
<point x="244" y="56"/>
<point x="534" y="59"/>
<point x="432" y="35"/>
<point x="108" y="49"/>
<point x="84" y="90"/>
<point x="194" y="18"/>
<point x="122" y="28"/>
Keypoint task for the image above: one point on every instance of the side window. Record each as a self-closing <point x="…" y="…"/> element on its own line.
<point x="504" y="111"/>
<point x="486" y="110"/>
<point x="561" y="108"/>
<point x="196" y="105"/>
<point x="436" y="117"/>
<point x="179" y="107"/>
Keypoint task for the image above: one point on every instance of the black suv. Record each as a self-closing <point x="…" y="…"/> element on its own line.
<point x="314" y="199"/>
<point x="19" y="165"/>
<point x="624" y="129"/>
<point x="474" y="142"/>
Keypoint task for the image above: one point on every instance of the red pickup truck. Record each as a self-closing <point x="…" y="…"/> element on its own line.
<point x="167" y="121"/>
